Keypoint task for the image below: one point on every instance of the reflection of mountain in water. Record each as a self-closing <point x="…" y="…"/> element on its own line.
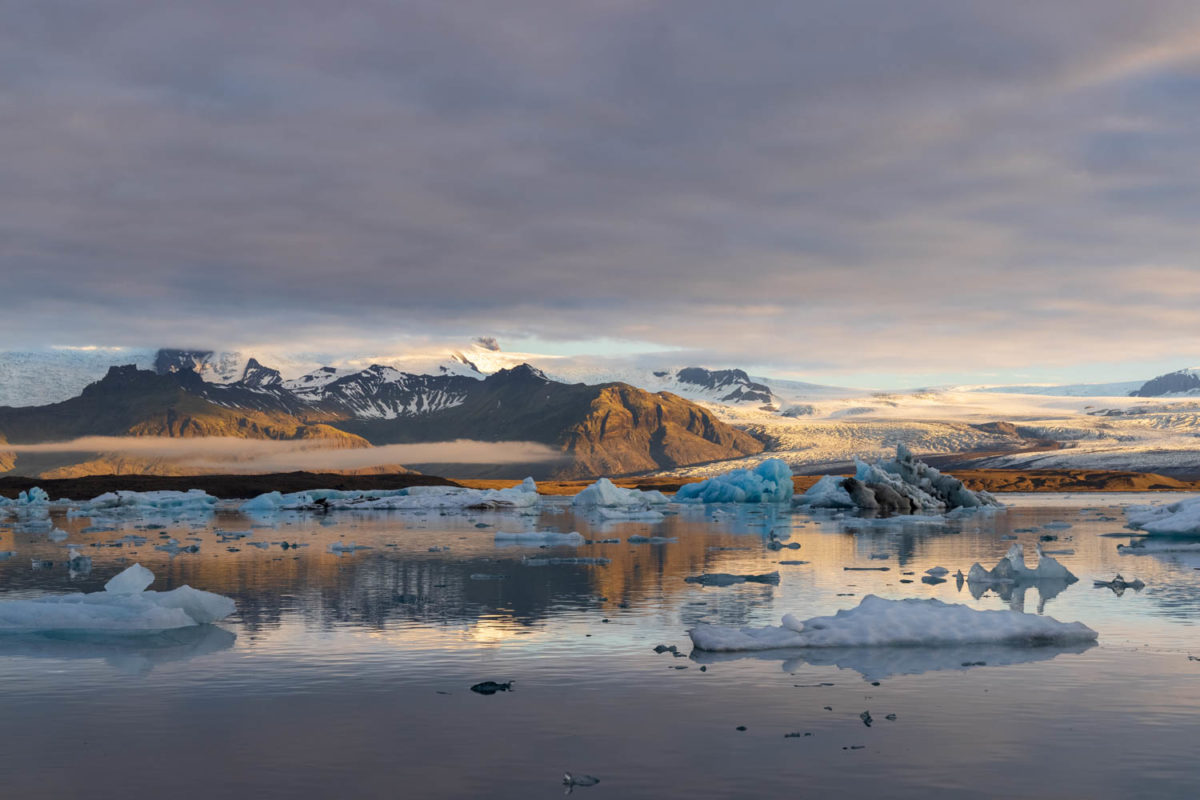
<point x="877" y="663"/>
<point x="134" y="654"/>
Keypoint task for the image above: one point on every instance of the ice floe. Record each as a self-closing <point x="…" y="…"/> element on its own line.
<point x="125" y="606"/>
<point x="574" y="538"/>
<point x="769" y="482"/>
<point x="137" y="504"/>
<point x="727" y="579"/>
<point x="901" y="486"/>
<point x="1181" y="518"/>
<point x="1012" y="569"/>
<point x="912" y="622"/>
<point x="522" y="496"/>
<point x="1145" y="547"/>
<point x="605" y="494"/>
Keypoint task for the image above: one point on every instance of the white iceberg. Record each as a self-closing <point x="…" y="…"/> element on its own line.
<point x="1181" y="518"/>
<point x="1012" y="569"/>
<point x="539" y="538"/>
<point x="769" y="482"/>
<point x="413" y="498"/>
<point x="605" y="494"/>
<point x="125" y="606"/>
<point x="877" y="622"/>
<point x="901" y="486"/>
<point x="139" y="504"/>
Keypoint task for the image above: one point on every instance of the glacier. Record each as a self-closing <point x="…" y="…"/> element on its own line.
<point x="124" y="606"/>
<point x="912" y="622"/>
<point x="769" y="482"/>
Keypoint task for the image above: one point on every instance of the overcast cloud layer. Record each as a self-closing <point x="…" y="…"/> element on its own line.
<point x="952" y="187"/>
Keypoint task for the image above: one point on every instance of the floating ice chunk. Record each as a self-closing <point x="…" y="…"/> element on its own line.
<point x="130" y="504"/>
<point x="413" y="498"/>
<point x="350" y="547"/>
<point x="912" y="622"/>
<point x="901" y="486"/>
<point x="1147" y="546"/>
<point x="573" y="538"/>
<point x="769" y="482"/>
<point x="937" y="572"/>
<point x="605" y="494"/>
<point x="133" y="580"/>
<point x="726" y="579"/>
<point x="630" y="515"/>
<point x="1012" y="569"/>
<point x="1181" y="518"/>
<point x="555" y="562"/>
<point x="651" y="539"/>
<point x="123" y="607"/>
<point x="828" y="492"/>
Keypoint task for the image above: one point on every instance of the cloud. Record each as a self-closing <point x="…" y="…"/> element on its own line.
<point x="780" y="184"/>
<point x="254" y="455"/>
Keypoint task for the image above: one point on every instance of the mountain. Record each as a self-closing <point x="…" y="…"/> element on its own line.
<point x="1184" y="381"/>
<point x="606" y="429"/>
<point x="209" y="365"/>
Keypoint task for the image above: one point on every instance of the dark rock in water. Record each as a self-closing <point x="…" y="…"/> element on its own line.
<point x="1048" y="537"/>
<point x="491" y="687"/>
<point x="974" y="663"/>
<point x="741" y="727"/>
<point x="866" y="718"/>
<point x="890" y="717"/>
<point x="571" y="781"/>
<point x="662" y="648"/>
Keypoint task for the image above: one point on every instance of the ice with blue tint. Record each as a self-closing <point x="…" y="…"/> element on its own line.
<point x="605" y="494"/>
<point x="522" y="496"/>
<point x="769" y="482"/>
<point x="125" y="606"/>
<point x="139" y="504"/>
<point x="912" y="622"/>
<point x="828" y="492"/>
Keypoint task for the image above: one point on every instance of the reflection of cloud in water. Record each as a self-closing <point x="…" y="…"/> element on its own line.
<point x="1013" y="592"/>
<point x="133" y="654"/>
<point x="877" y="663"/>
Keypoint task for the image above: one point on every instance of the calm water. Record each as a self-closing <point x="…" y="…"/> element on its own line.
<point x="348" y="676"/>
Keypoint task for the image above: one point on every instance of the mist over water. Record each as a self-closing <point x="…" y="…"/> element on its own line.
<point x="350" y="676"/>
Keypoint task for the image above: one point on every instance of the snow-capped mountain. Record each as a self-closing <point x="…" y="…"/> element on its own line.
<point x="381" y="392"/>
<point x="1182" y="382"/>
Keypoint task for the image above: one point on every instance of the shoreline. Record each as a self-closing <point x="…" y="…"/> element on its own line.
<point x="228" y="487"/>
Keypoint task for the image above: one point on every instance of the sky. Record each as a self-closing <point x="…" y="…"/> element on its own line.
<point x="852" y="191"/>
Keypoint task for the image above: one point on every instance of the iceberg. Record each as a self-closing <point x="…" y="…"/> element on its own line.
<point x="881" y="663"/>
<point x="769" y="482"/>
<point x="1181" y="518"/>
<point x="1146" y="547"/>
<point x="1012" y="569"/>
<point x="125" y="606"/>
<point x="728" y="579"/>
<point x="877" y="622"/>
<point x="414" y="498"/>
<point x="901" y="486"/>
<point x="539" y="538"/>
<point x="133" y="504"/>
<point x="605" y="494"/>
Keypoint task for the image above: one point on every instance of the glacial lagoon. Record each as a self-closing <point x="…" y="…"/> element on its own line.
<point x="348" y="673"/>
